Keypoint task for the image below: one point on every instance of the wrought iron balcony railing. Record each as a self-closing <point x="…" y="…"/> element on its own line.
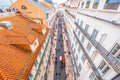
<point x="88" y="58"/>
<point x="109" y="58"/>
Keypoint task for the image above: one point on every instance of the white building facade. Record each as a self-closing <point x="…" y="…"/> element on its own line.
<point x="95" y="39"/>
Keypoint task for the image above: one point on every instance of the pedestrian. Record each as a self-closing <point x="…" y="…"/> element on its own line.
<point x="69" y="53"/>
<point x="65" y="76"/>
<point x="56" y="74"/>
<point x="58" y="49"/>
<point x="56" y="62"/>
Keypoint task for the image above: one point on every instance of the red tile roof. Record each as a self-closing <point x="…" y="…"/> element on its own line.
<point x="31" y="11"/>
<point x="13" y="59"/>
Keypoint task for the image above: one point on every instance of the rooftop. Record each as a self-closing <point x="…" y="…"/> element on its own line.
<point x="28" y="9"/>
<point x="15" y="60"/>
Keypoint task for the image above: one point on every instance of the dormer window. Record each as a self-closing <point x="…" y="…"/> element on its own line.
<point x="6" y="24"/>
<point x="44" y="30"/>
<point x="34" y="45"/>
<point x="23" y="7"/>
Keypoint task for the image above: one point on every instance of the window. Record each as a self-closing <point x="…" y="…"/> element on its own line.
<point x="83" y="58"/>
<point x="76" y="43"/>
<point x="103" y="68"/>
<point x="23" y="7"/>
<point x="79" y="33"/>
<point x="30" y="76"/>
<point x="36" y="63"/>
<point x="74" y="50"/>
<point x="76" y="57"/>
<point x="74" y="37"/>
<point x="77" y="20"/>
<point x="72" y="46"/>
<point x="94" y="34"/>
<point x="34" y="44"/>
<point x="76" y="30"/>
<point x="79" y="67"/>
<point x="87" y="4"/>
<point x="95" y="4"/>
<point x="82" y="40"/>
<point x="88" y="47"/>
<point x="86" y="28"/>
<point x="92" y="76"/>
<point x="112" y="4"/>
<point x="82" y="4"/>
<point x="38" y="72"/>
<point x="1" y="11"/>
<point x="40" y="53"/>
<point x="81" y="23"/>
<point x="116" y="51"/>
<point x="79" y="49"/>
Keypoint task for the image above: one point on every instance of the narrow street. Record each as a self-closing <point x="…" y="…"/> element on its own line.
<point x="58" y="70"/>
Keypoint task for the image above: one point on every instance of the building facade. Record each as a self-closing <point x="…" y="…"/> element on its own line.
<point x="94" y="39"/>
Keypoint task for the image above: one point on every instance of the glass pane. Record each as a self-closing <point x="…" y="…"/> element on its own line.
<point x="112" y="4"/>
<point x="95" y="5"/>
<point x="102" y="65"/>
<point x="82" y="5"/>
<point x="87" y="4"/>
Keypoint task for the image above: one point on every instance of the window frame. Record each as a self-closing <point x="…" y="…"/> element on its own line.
<point x="88" y="47"/>
<point x="82" y="39"/>
<point x="117" y="52"/>
<point x="86" y="28"/>
<point x="103" y="68"/>
<point x="92" y="76"/>
<point x="83" y="58"/>
<point x="94" y="34"/>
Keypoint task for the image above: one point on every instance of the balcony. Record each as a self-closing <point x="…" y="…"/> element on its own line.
<point x="88" y="58"/>
<point x="112" y="16"/>
<point x="109" y="58"/>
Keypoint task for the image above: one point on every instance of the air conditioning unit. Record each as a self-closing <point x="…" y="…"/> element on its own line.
<point x="6" y="24"/>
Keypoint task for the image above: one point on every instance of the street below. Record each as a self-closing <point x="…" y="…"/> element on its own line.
<point x="59" y="68"/>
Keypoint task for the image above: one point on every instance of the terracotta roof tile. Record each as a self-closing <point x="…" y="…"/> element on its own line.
<point x="12" y="57"/>
<point x="31" y="11"/>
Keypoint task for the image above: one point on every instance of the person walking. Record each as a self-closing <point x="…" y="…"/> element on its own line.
<point x="56" y="74"/>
